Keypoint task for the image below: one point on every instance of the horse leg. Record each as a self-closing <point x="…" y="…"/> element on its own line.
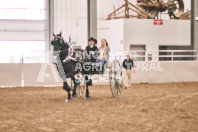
<point x="87" y="88"/>
<point x="68" y="89"/>
<point x="87" y="92"/>
<point x="74" y="90"/>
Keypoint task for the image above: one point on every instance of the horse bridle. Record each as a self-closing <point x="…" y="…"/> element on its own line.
<point x="61" y="41"/>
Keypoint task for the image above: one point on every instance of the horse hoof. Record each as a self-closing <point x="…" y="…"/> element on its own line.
<point x="74" y="95"/>
<point x="68" y="100"/>
<point x="88" y="97"/>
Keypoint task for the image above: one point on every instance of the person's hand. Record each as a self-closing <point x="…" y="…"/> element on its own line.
<point x="133" y="71"/>
<point x="91" y="52"/>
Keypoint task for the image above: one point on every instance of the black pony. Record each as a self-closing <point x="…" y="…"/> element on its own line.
<point x="68" y="65"/>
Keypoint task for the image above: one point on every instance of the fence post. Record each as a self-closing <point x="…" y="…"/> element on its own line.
<point x="22" y="76"/>
<point x="146" y="56"/>
<point x="172" y="63"/>
<point x="197" y="55"/>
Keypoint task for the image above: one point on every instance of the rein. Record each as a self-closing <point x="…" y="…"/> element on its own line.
<point x="60" y="51"/>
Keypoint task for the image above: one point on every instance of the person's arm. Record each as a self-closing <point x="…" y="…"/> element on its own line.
<point x="133" y="66"/>
<point x="123" y="64"/>
<point x="88" y="52"/>
<point x="87" y="49"/>
<point x="96" y="48"/>
<point x="108" y="53"/>
<point x="96" y="52"/>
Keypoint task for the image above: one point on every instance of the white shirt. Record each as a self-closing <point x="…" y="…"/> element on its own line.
<point x="101" y="53"/>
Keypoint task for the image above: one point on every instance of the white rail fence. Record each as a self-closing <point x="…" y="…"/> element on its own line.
<point x="185" y="55"/>
<point x="151" y="56"/>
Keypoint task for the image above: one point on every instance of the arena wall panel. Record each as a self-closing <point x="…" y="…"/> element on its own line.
<point x="10" y="75"/>
<point x="143" y="76"/>
<point x="31" y="74"/>
<point x="185" y="72"/>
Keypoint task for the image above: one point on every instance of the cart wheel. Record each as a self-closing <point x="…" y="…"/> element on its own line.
<point x="175" y="8"/>
<point x="116" y="79"/>
<point x="80" y="85"/>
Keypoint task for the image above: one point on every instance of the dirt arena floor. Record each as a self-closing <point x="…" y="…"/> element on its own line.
<point x="169" y="107"/>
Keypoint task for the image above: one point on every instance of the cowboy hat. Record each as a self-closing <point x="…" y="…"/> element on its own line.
<point x="93" y="39"/>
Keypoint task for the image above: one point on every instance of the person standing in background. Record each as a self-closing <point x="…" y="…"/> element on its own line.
<point x="128" y="65"/>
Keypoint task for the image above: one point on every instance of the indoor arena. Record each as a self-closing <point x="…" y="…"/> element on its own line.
<point x="98" y="65"/>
